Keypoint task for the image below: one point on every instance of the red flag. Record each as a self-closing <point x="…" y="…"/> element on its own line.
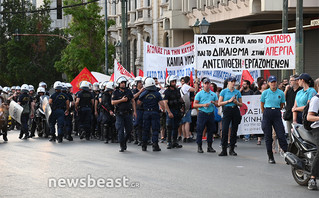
<point x="132" y="74"/>
<point x="85" y="74"/>
<point x="140" y="73"/>
<point x="187" y="43"/>
<point x="112" y="78"/>
<point x="166" y="74"/>
<point x="246" y="76"/>
<point x="191" y="79"/>
<point x="266" y="74"/>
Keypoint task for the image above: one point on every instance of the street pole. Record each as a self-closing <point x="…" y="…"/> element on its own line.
<point x="299" y="37"/>
<point x="284" y="73"/>
<point x="124" y="40"/>
<point x="106" y="40"/>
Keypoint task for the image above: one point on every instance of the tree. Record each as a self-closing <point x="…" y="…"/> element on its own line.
<point x="86" y="48"/>
<point x="30" y="59"/>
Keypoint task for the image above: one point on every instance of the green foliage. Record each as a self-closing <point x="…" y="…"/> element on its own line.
<point x="31" y="59"/>
<point x="87" y="48"/>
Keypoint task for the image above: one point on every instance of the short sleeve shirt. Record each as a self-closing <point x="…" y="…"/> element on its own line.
<point x="185" y="90"/>
<point x="272" y="99"/>
<point x="124" y="106"/>
<point x="303" y="96"/>
<point x="314" y="105"/>
<point x="204" y="97"/>
<point x="227" y="95"/>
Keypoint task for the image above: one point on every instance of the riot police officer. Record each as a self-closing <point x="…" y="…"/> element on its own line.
<point x="84" y="105"/>
<point x="173" y="105"/>
<point x="4" y="115"/>
<point x="151" y="100"/>
<point x="123" y="100"/>
<point x="138" y="122"/>
<point x="272" y="101"/>
<point x="25" y="100"/>
<point x="59" y="103"/>
<point x="68" y="118"/>
<point x="107" y="115"/>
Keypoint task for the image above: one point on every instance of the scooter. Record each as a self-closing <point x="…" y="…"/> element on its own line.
<point x="301" y="153"/>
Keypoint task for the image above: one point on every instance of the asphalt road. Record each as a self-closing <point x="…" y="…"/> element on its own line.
<point x="28" y="167"/>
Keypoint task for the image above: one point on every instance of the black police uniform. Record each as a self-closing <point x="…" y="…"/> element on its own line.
<point x="138" y="122"/>
<point x="68" y="121"/>
<point x="175" y="103"/>
<point x="124" y="118"/>
<point x="25" y="101"/>
<point x="151" y="117"/>
<point x="85" y="113"/>
<point x="107" y="120"/>
<point x="58" y="108"/>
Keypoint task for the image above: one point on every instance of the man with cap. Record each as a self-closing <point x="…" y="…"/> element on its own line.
<point x="205" y="101"/>
<point x="272" y="101"/>
<point x="151" y="100"/>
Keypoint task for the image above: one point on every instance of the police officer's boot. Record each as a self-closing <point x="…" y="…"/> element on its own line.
<point x="156" y="147"/>
<point x="20" y="135"/>
<point x="53" y="138"/>
<point x="176" y="145"/>
<point x="271" y="159"/>
<point x="200" y="149"/>
<point x="26" y="136"/>
<point x="60" y="138"/>
<point x="169" y="145"/>
<point x="232" y="151"/>
<point x="210" y="148"/>
<point x="5" y="136"/>
<point x="224" y="152"/>
<point x="122" y="147"/>
<point x="144" y="146"/>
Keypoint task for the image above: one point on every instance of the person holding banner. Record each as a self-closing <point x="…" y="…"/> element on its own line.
<point x="272" y="101"/>
<point x="26" y="101"/>
<point x="205" y="101"/>
<point x="231" y="99"/>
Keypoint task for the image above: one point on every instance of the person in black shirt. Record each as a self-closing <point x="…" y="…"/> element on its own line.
<point x="68" y="118"/>
<point x="290" y="93"/>
<point x="173" y="105"/>
<point x="107" y="114"/>
<point x="59" y="103"/>
<point x="245" y="89"/>
<point x="84" y="106"/>
<point x="138" y="122"/>
<point x="123" y="100"/>
<point x="26" y="101"/>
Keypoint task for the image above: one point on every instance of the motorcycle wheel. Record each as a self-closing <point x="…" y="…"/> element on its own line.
<point x="300" y="177"/>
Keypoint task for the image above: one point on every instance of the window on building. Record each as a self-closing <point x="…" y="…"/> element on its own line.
<point x="166" y="39"/>
<point x="148" y="39"/>
<point x="148" y="3"/>
<point x="59" y="9"/>
<point x="135" y="4"/>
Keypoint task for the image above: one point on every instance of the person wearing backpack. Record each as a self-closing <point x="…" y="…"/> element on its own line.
<point x="26" y="101"/>
<point x="312" y="116"/>
<point x="303" y="96"/>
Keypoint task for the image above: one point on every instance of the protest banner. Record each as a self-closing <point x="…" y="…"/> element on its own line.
<point x="159" y="61"/>
<point x="245" y="52"/>
<point x="251" y="116"/>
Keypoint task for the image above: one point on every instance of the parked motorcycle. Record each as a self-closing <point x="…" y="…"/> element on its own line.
<point x="301" y="153"/>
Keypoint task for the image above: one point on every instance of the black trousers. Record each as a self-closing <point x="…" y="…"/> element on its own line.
<point x="315" y="165"/>
<point x="230" y="115"/>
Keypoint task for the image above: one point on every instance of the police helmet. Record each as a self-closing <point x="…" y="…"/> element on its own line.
<point x="85" y="85"/>
<point x="150" y="84"/>
<point x="69" y="86"/>
<point x="18" y="88"/>
<point x="96" y="86"/>
<point x="120" y="80"/>
<point x="138" y="78"/>
<point x="31" y="88"/>
<point x="40" y="90"/>
<point x="43" y="84"/>
<point x="57" y="85"/>
<point x="13" y="88"/>
<point x="102" y="85"/>
<point x="24" y="88"/>
<point x="109" y="86"/>
<point x="169" y="79"/>
<point x="64" y="87"/>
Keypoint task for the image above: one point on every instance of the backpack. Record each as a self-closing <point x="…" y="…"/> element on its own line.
<point x="26" y="108"/>
<point x="306" y="123"/>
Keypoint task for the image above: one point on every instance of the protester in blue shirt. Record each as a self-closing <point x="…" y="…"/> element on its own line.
<point x="205" y="101"/>
<point x="230" y="98"/>
<point x="303" y="96"/>
<point x="272" y="101"/>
